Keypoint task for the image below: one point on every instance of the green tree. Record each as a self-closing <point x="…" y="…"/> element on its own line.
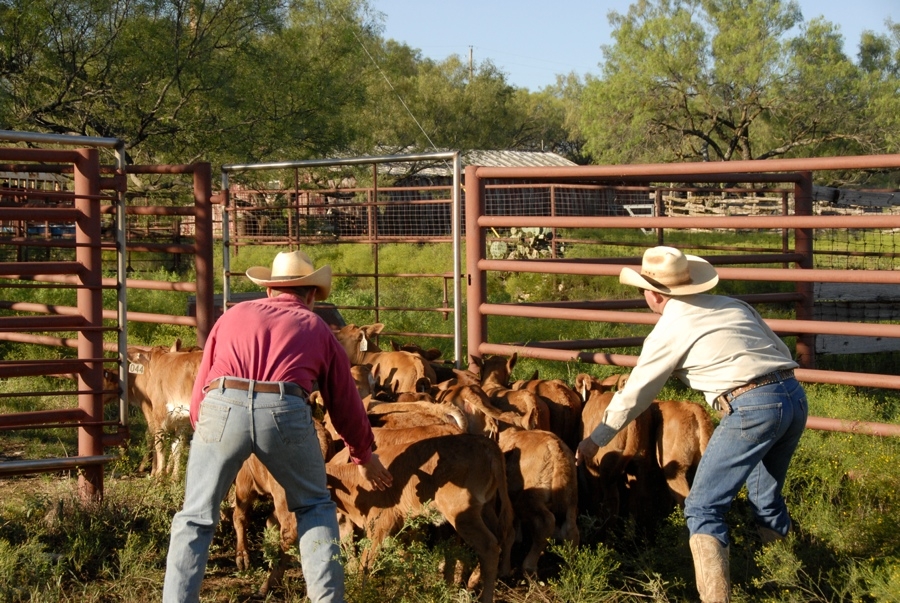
<point x="422" y="105"/>
<point x="714" y="80"/>
<point x="296" y="91"/>
<point x="184" y="80"/>
<point x="555" y="112"/>
<point x="114" y="68"/>
<point x="879" y="57"/>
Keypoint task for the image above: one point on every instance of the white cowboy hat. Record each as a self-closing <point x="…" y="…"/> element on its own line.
<point x="293" y="269"/>
<point x="667" y="270"/>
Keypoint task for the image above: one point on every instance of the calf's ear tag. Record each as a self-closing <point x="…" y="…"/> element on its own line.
<point x="135" y="368"/>
<point x="363" y="344"/>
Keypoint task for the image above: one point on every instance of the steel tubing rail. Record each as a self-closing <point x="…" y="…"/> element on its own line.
<point x="886" y="221"/>
<point x="647" y="171"/>
<point x="32" y="269"/>
<point x="34" y="214"/>
<point x="43" y="323"/>
<point x="345" y="161"/>
<point x="11" y="468"/>
<point x="788" y="327"/>
<point x="584" y="344"/>
<point x="842" y="425"/>
<point x="42" y="417"/>
<point x="109" y="283"/>
<point x="150" y="317"/>
<point x="554" y="354"/>
<point x="636" y="181"/>
<point x="748" y="274"/>
<point x="63" y="342"/>
<point x="625" y="360"/>
<point x="33" y="370"/>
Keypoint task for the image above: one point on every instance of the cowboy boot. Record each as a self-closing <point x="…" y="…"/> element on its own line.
<point x="768" y="535"/>
<point x="711" y="568"/>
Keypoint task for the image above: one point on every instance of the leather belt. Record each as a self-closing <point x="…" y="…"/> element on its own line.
<point x="722" y="402"/>
<point x="264" y="387"/>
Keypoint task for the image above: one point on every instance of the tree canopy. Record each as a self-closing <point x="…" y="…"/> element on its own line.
<point x="259" y="80"/>
<point x="715" y="80"/>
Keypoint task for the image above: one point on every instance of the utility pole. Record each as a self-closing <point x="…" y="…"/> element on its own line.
<point x="471" y="69"/>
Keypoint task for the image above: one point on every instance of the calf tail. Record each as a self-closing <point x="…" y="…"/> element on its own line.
<point x="505" y="515"/>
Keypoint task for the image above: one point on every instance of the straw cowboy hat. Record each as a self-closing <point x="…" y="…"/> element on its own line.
<point x="293" y="269"/>
<point x="666" y="270"/>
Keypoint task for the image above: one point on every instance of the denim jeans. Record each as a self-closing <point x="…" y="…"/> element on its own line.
<point x="278" y="429"/>
<point x="752" y="445"/>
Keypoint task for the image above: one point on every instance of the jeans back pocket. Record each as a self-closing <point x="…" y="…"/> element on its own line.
<point x="211" y="424"/>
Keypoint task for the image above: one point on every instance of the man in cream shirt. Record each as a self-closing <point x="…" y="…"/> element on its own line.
<point x="723" y="348"/>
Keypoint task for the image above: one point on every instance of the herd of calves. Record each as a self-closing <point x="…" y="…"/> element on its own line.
<point x="494" y="458"/>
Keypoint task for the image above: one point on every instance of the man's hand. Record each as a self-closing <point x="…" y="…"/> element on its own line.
<point x="375" y="474"/>
<point x="586" y="450"/>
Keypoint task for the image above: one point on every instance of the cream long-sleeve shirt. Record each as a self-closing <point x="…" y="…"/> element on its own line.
<point x="713" y="343"/>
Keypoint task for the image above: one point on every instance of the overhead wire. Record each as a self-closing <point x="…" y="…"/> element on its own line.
<point x="390" y="84"/>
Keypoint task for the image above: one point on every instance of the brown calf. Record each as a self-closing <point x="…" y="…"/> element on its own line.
<point x="253" y="482"/>
<point x="540" y="475"/>
<point x="563" y="404"/>
<point x="494" y="373"/>
<point x="603" y="478"/>
<point x="160" y="382"/>
<point x="462" y="476"/>
<point x="409" y="372"/>
<point x="676" y="432"/>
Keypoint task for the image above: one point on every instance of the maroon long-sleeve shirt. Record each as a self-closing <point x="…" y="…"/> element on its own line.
<point x="281" y="339"/>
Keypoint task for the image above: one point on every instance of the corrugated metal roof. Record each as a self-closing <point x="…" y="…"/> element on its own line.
<point x="515" y="159"/>
<point x="482" y="158"/>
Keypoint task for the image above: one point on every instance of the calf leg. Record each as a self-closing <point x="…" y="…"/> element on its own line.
<point x="243" y="501"/>
<point x="541" y="524"/>
<point x="287" y="522"/>
<point x="471" y="528"/>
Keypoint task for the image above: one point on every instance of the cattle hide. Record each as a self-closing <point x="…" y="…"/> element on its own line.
<point x="160" y="382"/>
<point x="462" y="476"/>
<point x="540" y="475"/>
<point x="254" y="481"/>
<point x="494" y="373"/>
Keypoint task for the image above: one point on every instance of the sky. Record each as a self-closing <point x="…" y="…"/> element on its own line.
<point x="532" y="41"/>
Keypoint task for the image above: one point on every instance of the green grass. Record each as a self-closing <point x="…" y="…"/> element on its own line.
<point x="843" y="489"/>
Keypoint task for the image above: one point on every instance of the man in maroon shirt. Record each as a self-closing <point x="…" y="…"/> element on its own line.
<point x="261" y="359"/>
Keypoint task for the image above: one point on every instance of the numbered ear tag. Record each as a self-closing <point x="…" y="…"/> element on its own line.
<point x="135" y="368"/>
<point x="363" y="344"/>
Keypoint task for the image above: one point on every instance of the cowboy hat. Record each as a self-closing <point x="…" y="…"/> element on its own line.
<point x="669" y="271"/>
<point x="293" y="269"/>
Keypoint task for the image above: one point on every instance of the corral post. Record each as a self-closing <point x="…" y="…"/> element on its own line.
<point x="803" y="242"/>
<point x="375" y="243"/>
<point x="658" y="211"/>
<point x="476" y="279"/>
<point x="553" y="215"/>
<point x="203" y="242"/>
<point x="90" y="307"/>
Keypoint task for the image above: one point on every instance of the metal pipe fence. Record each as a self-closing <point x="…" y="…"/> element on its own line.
<point x="500" y="200"/>
<point x="60" y="211"/>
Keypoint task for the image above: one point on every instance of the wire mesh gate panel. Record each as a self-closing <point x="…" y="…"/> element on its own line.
<point x="751" y="221"/>
<point x="378" y="202"/>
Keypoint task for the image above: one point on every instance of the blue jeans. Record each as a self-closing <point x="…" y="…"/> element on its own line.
<point x="752" y="445"/>
<point x="278" y="428"/>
